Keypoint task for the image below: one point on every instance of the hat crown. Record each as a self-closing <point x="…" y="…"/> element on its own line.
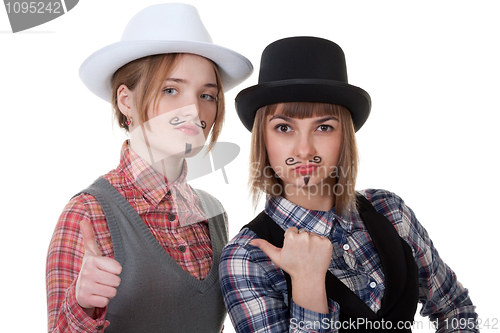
<point x="302" y="58"/>
<point x="173" y="21"/>
<point x="303" y="69"/>
<point x="162" y="29"/>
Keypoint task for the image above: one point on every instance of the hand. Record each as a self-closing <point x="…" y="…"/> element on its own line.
<point x="303" y="254"/>
<point x="98" y="277"/>
<point x="306" y="257"/>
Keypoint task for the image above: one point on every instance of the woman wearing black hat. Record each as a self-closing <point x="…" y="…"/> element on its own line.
<point x="322" y="257"/>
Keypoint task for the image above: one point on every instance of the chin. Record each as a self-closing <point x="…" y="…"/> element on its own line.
<point x="194" y="151"/>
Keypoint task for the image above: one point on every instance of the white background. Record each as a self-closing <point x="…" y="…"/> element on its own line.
<point x="431" y="68"/>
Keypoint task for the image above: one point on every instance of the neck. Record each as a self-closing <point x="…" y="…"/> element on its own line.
<point x="170" y="168"/>
<point x="314" y="197"/>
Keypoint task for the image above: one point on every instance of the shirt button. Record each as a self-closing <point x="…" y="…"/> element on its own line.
<point x="171" y="217"/>
<point x="182" y="248"/>
<point x="169" y="192"/>
<point x="99" y="327"/>
<point x="346" y="247"/>
<point x="373" y="285"/>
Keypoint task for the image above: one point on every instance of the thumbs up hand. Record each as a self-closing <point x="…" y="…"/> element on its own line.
<point x="305" y="257"/>
<point x="98" y="278"/>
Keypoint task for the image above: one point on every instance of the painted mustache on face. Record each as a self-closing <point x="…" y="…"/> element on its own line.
<point x="316" y="159"/>
<point x="175" y="121"/>
<point x="291" y="161"/>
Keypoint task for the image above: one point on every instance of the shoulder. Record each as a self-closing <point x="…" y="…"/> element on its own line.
<point x="240" y="243"/>
<point x="82" y="206"/>
<point x="239" y="249"/>
<point x="394" y="209"/>
<point x="381" y="199"/>
<point x="245" y="266"/>
<point x="66" y="236"/>
<point x="401" y="216"/>
<point x="386" y="202"/>
<point x="211" y="204"/>
<point x="206" y="197"/>
<point x="236" y="253"/>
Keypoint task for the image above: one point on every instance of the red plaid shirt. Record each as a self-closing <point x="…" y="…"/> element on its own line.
<point x="154" y="199"/>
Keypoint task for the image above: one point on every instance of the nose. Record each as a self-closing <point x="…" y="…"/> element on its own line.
<point x="304" y="146"/>
<point x="191" y="111"/>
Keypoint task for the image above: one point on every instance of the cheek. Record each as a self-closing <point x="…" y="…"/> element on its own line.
<point x="276" y="153"/>
<point x="209" y="119"/>
<point x="331" y="153"/>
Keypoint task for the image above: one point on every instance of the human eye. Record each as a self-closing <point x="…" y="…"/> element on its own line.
<point x="170" y="91"/>
<point x="325" y="128"/>
<point x="283" y="128"/>
<point x="208" y="97"/>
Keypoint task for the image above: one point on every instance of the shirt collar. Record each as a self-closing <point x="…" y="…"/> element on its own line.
<point x="152" y="184"/>
<point x="287" y="214"/>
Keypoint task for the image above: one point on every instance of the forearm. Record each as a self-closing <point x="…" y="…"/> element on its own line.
<point x="306" y="321"/>
<point x="454" y="314"/>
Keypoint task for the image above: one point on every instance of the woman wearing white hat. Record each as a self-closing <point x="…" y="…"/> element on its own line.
<point x="138" y="250"/>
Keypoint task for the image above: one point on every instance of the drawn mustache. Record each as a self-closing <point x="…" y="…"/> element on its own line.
<point x="175" y="122"/>
<point x="291" y="160"/>
<point x="316" y="159"/>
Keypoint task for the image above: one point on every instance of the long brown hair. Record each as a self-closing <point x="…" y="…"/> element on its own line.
<point x="262" y="179"/>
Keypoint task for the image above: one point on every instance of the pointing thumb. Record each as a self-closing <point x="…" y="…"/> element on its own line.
<point x="270" y="250"/>
<point x="89" y="241"/>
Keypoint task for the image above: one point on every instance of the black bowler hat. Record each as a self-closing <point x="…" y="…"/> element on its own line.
<point x="303" y="69"/>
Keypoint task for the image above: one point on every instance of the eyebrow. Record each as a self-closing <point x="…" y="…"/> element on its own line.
<point x="208" y="85"/>
<point x="280" y="116"/>
<point x="324" y="119"/>
<point x="291" y="120"/>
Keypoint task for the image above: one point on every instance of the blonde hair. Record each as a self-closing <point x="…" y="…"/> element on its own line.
<point x="146" y="76"/>
<point x="262" y="178"/>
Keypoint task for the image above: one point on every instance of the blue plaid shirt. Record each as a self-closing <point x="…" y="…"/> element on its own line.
<point x="255" y="293"/>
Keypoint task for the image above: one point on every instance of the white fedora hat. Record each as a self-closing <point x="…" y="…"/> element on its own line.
<point x="158" y="29"/>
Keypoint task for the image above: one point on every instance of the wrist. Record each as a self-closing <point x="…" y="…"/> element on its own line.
<point x="89" y="312"/>
<point x="310" y="294"/>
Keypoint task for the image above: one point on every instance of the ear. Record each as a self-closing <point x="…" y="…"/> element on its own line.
<point x="124" y="99"/>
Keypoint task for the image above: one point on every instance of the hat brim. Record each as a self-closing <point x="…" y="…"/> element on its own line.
<point x="249" y="100"/>
<point x="97" y="70"/>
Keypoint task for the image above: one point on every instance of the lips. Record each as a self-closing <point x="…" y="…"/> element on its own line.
<point x="188" y="129"/>
<point x="306" y="169"/>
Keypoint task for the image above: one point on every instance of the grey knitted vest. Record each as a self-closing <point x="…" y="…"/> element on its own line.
<point x="156" y="294"/>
